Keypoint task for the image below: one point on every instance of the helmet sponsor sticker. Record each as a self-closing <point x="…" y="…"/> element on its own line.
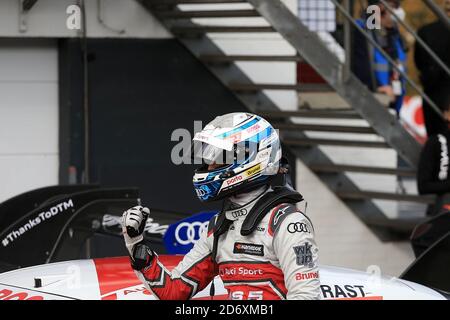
<point x="201" y="192"/>
<point x="234" y="180"/>
<point x="253" y="128"/>
<point x="253" y="170"/>
<point x="235" y="138"/>
<point x="263" y="155"/>
<point x="216" y="142"/>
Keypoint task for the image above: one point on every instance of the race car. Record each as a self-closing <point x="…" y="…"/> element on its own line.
<point x="113" y="279"/>
<point x="69" y="223"/>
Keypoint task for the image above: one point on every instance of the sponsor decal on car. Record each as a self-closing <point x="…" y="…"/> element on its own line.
<point x="131" y="293"/>
<point x="249" y="248"/>
<point x="6" y="294"/>
<point x="190" y="232"/>
<point x="347" y="292"/>
<point x="180" y="237"/>
<point x="38" y="219"/>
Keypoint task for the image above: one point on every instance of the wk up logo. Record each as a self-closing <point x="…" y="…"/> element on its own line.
<point x="73" y="21"/>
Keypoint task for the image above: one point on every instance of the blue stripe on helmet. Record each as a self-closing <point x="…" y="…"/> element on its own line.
<point x="244" y="126"/>
<point x="261" y="135"/>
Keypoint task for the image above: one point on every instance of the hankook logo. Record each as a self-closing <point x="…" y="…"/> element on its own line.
<point x="249" y="248"/>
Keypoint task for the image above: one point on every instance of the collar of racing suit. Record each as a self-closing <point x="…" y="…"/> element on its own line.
<point x="240" y="204"/>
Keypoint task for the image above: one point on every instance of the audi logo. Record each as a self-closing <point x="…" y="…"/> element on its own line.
<point x="191" y="232"/>
<point x="239" y="213"/>
<point x="297" y="227"/>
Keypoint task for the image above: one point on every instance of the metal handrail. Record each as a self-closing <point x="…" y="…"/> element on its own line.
<point x="418" y="38"/>
<point x="438" y="12"/>
<point x="390" y="60"/>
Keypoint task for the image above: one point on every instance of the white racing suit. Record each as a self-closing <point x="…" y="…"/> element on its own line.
<point x="278" y="260"/>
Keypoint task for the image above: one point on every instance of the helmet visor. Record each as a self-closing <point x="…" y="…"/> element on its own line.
<point x="240" y="153"/>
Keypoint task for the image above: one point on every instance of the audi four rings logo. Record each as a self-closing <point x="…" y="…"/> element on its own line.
<point x="191" y="232"/>
<point x="239" y="213"/>
<point x="297" y="227"/>
<point x="200" y="192"/>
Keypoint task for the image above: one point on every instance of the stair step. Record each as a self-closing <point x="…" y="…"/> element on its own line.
<point x="196" y="30"/>
<point x="257" y="58"/>
<point x="398" y="225"/>
<point x="334" y="142"/>
<point x="175" y="2"/>
<point x="326" y="114"/>
<point x="209" y="14"/>
<point x="324" y="128"/>
<point x="336" y="168"/>
<point x="369" y="195"/>
<point x="252" y="87"/>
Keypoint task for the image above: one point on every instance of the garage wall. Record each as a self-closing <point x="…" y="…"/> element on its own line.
<point x="28" y="115"/>
<point x="155" y="87"/>
<point x="342" y="238"/>
<point x="47" y="19"/>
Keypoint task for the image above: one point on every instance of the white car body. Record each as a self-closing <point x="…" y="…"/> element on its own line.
<point x="113" y="279"/>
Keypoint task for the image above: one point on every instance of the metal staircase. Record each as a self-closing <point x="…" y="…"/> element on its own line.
<point x="294" y="134"/>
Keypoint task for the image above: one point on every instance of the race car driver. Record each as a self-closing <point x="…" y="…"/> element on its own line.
<point x="260" y="244"/>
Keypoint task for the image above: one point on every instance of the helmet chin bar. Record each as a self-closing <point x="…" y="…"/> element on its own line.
<point x="284" y="172"/>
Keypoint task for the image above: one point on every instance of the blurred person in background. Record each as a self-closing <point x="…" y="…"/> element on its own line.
<point x="435" y="80"/>
<point x="433" y="174"/>
<point x="370" y="65"/>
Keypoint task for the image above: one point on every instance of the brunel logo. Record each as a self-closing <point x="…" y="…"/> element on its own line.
<point x="306" y="276"/>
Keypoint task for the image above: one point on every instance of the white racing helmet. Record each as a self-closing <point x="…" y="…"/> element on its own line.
<point x="245" y="150"/>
